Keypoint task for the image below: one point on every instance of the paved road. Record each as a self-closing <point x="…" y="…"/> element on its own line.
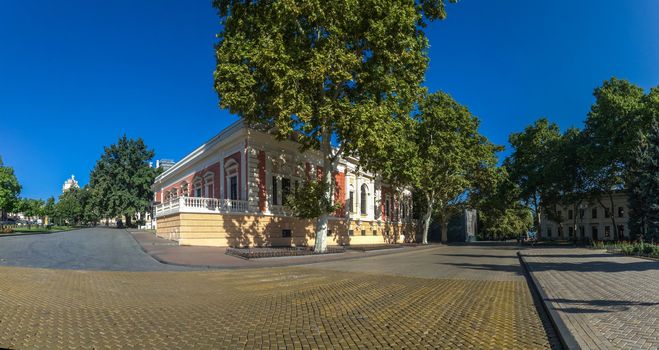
<point x="606" y="301"/>
<point x="444" y="297"/>
<point x="492" y="262"/>
<point x="86" y="249"/>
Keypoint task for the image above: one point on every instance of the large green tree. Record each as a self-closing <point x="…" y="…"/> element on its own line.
<point x="566" y="182"/>
<point x="120" y="183"/>
<point x="337" y="73"/>
<point x="643" y="186"/>
<point x="451" y="158"/>
<point x="528" y="165"/>
<point x="9" y="189"/>
<point x="614" y="122"/>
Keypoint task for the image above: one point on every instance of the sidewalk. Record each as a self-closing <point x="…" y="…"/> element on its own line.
<point x="169" y="252"/>
<point x="598" y="300"/>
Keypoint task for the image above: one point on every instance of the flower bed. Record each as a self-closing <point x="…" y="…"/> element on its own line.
<point x="630" y="248"/>
<point x="273" y="252"/>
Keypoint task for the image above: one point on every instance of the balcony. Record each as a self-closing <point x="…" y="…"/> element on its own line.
<point x="200" y="205"/>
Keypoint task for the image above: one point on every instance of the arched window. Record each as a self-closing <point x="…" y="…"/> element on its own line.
<point x="363" y="197"/>
<point x="351" y="200"/>
<point x="209" y="183"/>
<point x="197" y="187"/>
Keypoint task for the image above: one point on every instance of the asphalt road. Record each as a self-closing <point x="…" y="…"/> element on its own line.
<point x="85" y="249"/>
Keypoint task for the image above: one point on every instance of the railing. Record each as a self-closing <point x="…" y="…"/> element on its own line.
<point x="200" y="205"/>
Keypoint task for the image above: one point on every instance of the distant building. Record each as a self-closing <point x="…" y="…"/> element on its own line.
<point x="593" y="221"/>
<point x="462" y="228"/>
<point x="165" y="164"/>
<point x="70" y="183"/>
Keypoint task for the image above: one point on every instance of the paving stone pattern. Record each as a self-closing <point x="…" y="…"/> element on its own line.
<point x="276" y="308"/>
<point x="607" y="301"/>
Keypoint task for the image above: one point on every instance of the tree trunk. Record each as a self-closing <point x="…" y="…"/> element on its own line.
<point x="321" y="227"/>
<point x="128" y="221"/>
<point x="574" y="221"/>
<point x="444" y="229"/>
<point x="613" y="218"/>
<point x="538" y="216"/>
<point x="426" y="221"/>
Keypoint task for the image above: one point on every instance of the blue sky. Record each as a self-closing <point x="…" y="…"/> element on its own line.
<point x="76" y="75"/>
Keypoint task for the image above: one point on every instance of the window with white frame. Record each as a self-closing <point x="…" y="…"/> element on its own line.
<point x="274" y="191"/>
<point x="363" y="197"/>
<point x="197" y="187"/>
<point x="209" y="185"/>
<point x="231" y="175"/>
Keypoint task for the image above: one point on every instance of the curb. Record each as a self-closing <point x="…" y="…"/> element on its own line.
<point x="564" y="335"/>
<point x="219" y="267"/>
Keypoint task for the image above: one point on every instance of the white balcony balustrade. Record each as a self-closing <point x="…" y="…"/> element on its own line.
<point x="200" y="205"/>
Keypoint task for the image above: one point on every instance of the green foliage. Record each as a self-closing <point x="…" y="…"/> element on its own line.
<point x="327" y="72"/>
<point x="643" y="179"/>
<point x="629" y="248"/>
<point x="31" y="208"/>
<point x="120" y="183"/>
<point x="450" y="157"/>
<point x="9" y="188"/>
<point x="528" y="164"/>
<point x="49" y="208"/>
<point x="69" y="206"/>
<point x="619" y="115"/>
<point x="500" y="212"/>
<point x="309" y="200"/>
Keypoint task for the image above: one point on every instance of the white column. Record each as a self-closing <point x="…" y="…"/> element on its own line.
<point x="243" y="172"/>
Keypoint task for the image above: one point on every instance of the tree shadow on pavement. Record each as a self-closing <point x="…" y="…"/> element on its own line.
<point x="476" y="255"/>
<point x="597" y="306"/>
<point x="594" y="266"/>
<point x="516" y="269"/>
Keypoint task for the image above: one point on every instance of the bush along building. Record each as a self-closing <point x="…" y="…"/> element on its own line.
<point x="231" y="191"/>
<point x="589" y="221"/>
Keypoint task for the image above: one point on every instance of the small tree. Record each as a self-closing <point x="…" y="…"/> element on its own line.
<point x="500" y="212"/>
<point x="9" y="190"/>
<point x="120" y="183"/>
<point x="49" y="209"/>
<point x="69" y="208"/>
<point x="336" y="73"/>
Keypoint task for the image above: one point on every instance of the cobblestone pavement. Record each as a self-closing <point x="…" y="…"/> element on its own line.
<point x="606" y="301"/>
<point x="284" y="308"/>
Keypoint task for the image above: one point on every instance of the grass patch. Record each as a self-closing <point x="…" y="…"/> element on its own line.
<point x="36" y="229"/>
